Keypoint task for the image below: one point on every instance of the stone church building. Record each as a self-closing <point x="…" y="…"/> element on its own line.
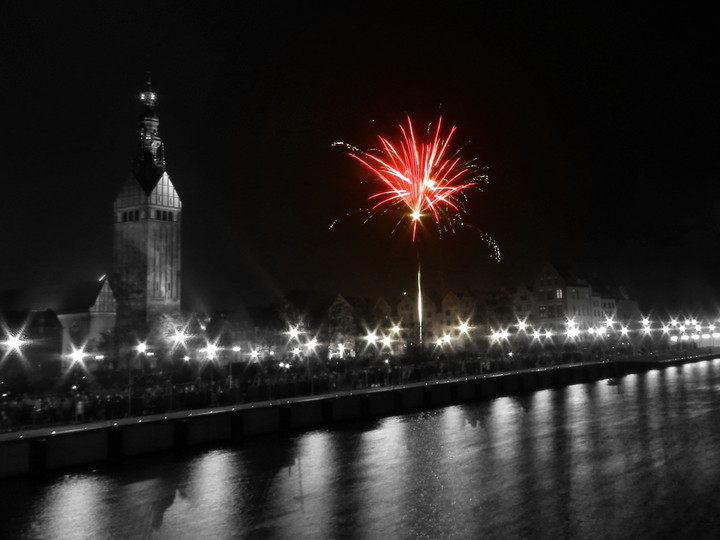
<point x="145" y="281"/>
<point x="146" y="277"/>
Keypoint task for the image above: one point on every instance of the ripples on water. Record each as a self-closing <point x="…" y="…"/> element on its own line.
<point x="637" y="460"/>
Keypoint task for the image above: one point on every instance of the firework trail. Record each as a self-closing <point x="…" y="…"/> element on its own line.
<point x="421" y="178"/>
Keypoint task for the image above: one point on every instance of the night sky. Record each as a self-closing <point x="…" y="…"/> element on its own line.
<point x="599" y="125"/>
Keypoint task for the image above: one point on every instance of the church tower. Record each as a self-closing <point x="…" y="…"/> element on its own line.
<point x="146" y="247"/>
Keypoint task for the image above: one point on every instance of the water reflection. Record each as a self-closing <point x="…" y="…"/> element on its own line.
<point x="73" y="504"/>
<point x="636" y="459"/>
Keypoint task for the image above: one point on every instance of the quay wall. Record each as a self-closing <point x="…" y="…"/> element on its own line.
<point x="37" y="452"/>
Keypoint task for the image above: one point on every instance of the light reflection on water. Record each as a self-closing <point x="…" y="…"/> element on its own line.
<point x="637" y="460"/>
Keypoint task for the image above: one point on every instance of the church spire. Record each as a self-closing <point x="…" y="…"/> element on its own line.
<point x="149" y="165"/>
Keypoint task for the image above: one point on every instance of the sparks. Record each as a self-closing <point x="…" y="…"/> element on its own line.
<point x="419" y="177"/>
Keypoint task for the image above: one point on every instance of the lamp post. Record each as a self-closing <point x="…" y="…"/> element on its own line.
<point x="141" y="348"/>
<point x="310" y="349"/>
<point x="236" y="350"/>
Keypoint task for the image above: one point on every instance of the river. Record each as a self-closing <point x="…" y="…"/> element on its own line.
<point x="637" y="459"/>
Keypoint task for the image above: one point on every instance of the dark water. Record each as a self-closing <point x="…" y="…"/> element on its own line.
<point x="637" y="460"/>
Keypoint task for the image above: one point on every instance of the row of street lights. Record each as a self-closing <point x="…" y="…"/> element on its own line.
<point x="675" y="330"/>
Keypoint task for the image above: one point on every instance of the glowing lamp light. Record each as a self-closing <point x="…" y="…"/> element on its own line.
<point x="141" y="348"/>
<point x="293" y="332"/>
<point x="386" y="341"/>
<point x="254" y="354"/>
<point x="14" y="343"/>
<point x="211" y="350"/>
<point x="439" y="342"/>
<point x="236" y="349"/>
<point x="464" y="327"/>
<point x="447" y="338"/>
<point x="536" y="334"/>
<point x="296" y="351"/>
<point x="609" y="322"/>
<point x="573" y="332"/>
<point x="77" y="355"/>
<point x="179" y="337"/>
<point x="371" y="337"/>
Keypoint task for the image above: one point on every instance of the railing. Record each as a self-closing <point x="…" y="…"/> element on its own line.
<point x="27" y="412"/>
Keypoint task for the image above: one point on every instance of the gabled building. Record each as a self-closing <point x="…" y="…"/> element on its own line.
<point x="341" y="328"/>
<point x="561" y="296"/>
<point x="85" y="310"/>
<point x="523" y="301"/>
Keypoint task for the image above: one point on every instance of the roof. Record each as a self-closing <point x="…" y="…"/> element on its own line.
<point x="146" y="171"/>
<point x="67" y="298"/>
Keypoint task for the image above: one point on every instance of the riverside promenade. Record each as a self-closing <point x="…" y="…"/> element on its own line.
<point x="39" y="451"/>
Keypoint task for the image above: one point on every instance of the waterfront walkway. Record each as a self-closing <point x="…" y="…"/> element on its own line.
<point x="643" y="362"/>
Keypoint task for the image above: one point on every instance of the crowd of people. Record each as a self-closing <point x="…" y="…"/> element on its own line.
<point x="156" y="393"/>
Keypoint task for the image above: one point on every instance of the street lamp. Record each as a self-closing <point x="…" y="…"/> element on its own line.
<point x="236" y="350"/>
<point x="13" y="343"/>
<point x="140" y="348"/>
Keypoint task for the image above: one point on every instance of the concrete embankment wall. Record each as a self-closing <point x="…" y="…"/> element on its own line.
<point x="37" y="452"/>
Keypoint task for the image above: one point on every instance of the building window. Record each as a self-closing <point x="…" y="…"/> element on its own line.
<point x="558" y="293"/>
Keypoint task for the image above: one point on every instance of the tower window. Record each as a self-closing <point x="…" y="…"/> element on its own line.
<point x="136" y="215"/>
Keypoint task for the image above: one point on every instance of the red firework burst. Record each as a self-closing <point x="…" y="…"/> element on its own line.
<point x="419" y="176"/>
